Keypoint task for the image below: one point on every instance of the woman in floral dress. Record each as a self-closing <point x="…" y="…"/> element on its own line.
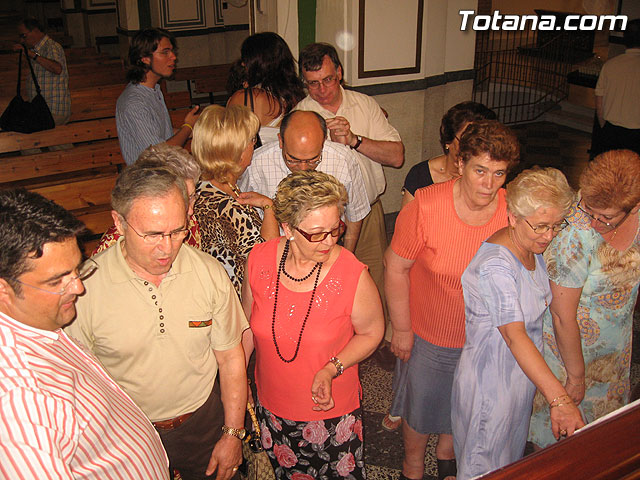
<point x="594" y="267"/>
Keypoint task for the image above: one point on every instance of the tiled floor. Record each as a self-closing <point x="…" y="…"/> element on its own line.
<point x="543" y="144"/>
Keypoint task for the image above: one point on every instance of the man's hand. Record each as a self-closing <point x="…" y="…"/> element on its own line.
<point x="226" y="455"/>
<point x="340" y="131"/>
<point x="17" y="47"/>
<point x="192" y="116"/>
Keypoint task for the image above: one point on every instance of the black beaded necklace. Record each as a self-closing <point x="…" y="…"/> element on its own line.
<point x="318" y="267"/>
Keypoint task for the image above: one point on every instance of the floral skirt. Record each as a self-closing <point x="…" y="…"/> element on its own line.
<point x="324" y="449"/>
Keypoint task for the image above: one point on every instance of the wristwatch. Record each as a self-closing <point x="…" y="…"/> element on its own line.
<point x="358" y="142"/>
<point x="35" y="56"/>
<point x="234" y="432"/>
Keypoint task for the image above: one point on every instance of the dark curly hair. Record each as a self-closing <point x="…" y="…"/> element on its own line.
<point x="143" y="45"/>
<point x="27" y="222"/>
<point x="492" y="137"/>
<point x="267" y="62"/>
<point x="458" y="115"/>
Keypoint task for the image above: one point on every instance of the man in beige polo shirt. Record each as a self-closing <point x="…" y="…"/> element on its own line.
<point x="164" y="319"/>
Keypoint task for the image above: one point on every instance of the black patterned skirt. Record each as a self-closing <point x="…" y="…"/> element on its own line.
<point x="323" y="449"/>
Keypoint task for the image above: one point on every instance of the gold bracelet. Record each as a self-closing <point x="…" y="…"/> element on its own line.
<point x="575" y="384"/>
<point x="187" y="125"/>
<point x="338" y="364"/>
<point x="558" y="398"/>
<point x="558" y="405"/>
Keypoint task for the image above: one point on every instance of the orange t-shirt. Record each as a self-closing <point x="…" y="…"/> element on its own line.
<point x="285" y="388"/>
<point x="429" y="231"/>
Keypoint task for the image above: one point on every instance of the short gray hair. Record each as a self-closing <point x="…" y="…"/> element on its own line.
<point x="539" y="188"/>
<point x="174" y="157"/>
<point x="145" y="179"/>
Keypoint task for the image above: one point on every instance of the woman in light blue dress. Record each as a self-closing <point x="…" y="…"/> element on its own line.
<point x="506" y="292"/>
<point x="594" y="267"/>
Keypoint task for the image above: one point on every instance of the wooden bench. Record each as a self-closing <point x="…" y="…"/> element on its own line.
<point x="79" y="177"/>
<point x="209" y="79"/>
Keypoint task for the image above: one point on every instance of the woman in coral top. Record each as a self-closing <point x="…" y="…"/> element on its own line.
<point x="314" y="313"/>
<point x="435" y="237"/>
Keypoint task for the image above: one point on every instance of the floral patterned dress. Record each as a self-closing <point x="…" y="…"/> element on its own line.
<point x="579" y="258"/>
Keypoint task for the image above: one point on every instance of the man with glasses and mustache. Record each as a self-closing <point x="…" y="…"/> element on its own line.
<point x="61" y="414"/>
<point x="142" y="117"/>
<point x="302" y="145"/>
<point x="50" y="67"/>
<point x="165" y="321"/>
<point x="355" y="120"/>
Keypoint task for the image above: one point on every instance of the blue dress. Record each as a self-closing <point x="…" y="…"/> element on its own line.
<point x="579" y="258"/>
<point x="492" y="397"/>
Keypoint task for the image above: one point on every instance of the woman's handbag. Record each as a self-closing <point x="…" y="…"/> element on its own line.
<point x="27" y="117"/>
<point x="256" y="464"/>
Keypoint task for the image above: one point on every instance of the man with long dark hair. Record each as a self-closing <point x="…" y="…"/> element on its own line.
<point x="142" y="117"/>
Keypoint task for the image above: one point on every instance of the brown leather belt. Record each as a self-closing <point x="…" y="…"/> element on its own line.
<point x="172" y="422"/>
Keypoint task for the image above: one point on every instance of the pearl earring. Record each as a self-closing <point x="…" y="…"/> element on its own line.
<point x="291" y="238"/>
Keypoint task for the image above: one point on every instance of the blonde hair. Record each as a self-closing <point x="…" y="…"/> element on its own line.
<point x="539" y="188"/>
<point x="304" y="191"/>
<point x="219" y="137"/>
<point x="612" y="180"/>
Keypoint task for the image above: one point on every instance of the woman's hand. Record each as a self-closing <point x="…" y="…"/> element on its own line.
<point x="254" y="199"/>
<point x="321" y="390"/>
<point x="565" y="420"/>
<point x="575" y="391"/>
<point x="402" y="344"/>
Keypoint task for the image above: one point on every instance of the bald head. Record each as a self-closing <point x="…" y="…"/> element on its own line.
<point x="302" y="136"/>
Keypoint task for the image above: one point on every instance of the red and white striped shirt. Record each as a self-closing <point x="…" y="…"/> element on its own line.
<point x="63" y="417"/>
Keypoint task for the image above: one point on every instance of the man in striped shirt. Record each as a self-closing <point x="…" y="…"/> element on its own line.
<point x="61" y="414"/>
<point x="142" y="117"/>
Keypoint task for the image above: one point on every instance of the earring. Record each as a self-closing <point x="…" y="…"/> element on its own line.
<point x="291" y="238"/>
<point x="446" y="149"/>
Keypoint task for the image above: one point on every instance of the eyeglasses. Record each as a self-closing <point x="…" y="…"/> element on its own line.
<point x="605" y="226"/>
<point x="320" y="236"/>
<point x="155" y="238"/>
<point x="298" y="161"/>
<point x="540" y="229"/>
<point x="84" y="271"/>
<point x="326" y="81"/>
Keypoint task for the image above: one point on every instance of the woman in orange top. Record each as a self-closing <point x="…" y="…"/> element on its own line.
<point x="435" y="237"/>
<point x="314" y="313"/>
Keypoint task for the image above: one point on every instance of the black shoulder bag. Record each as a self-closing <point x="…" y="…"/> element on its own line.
<point x="27" y="117"/>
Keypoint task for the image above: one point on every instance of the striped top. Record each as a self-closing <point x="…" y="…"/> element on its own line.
<point x="429" y="231"/>
<point x="63" y="417"/>
<point x="142" y="120"/>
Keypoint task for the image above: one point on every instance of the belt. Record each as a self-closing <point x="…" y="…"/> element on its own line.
<point x="172" y="422"/>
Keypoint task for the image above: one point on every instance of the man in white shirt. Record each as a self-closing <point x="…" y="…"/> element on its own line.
<point x="61" y="414"/>
<point x="355" y="120"/>
<point x="302" y="146"/>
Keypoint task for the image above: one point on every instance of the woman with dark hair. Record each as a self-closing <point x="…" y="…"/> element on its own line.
<point x="594" y="267"/>
<point x="435" y="238"/>
<point x="445" y="167"/>
<point x="265" y="80"/>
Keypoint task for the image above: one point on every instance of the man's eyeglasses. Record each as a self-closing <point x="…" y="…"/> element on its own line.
<point x="84" y="271"/>
<point x="291" y="160"/>
<point x="605" y="226"/>
<point x="320" y="236"/>
<point x="540" y="229"/>
<point x="155" y="238"/>
<point x="326" y="81"/>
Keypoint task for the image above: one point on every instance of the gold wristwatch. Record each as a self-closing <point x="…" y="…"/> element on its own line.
<point x="234" y="432"/>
